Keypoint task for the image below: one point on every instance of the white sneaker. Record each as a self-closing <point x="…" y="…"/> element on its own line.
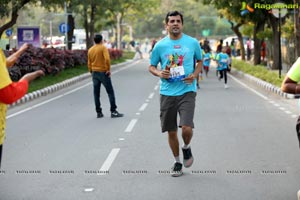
<point x="225" y="86"/>
<point x="298" y="195"/>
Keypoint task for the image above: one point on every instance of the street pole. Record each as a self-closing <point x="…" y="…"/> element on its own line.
<point x="279" y="33"/>
<point x="66" y="26"/>
<point x="50" y="31"/>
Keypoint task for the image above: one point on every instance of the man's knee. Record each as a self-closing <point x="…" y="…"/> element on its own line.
<point x="187" y="130"/>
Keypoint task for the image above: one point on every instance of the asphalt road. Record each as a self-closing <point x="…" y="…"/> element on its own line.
<point x="244" y="144"/>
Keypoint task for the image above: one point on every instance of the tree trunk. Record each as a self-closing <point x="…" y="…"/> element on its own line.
<point x="86" y="27"/>
<point x="274" y="25"/>
<point x="71" y="23"/>
<point x="14" y="16"/>
<point x="297" y="29"/>
<point x="259" y="26"/>
<point x="92" y="23"/>
<point x="235" y="29"/>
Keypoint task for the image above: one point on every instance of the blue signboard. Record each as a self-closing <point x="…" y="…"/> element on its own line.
<point x="63" y="28"/>
<point x="30" y="35"/>
<point x="8" y="32"/>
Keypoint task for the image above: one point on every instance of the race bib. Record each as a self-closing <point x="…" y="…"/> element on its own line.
<point x="176" y="74"/>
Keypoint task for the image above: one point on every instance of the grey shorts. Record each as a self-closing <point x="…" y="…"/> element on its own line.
<point x="170" y="106"/>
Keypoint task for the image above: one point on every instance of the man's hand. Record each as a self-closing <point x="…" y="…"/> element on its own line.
<point x="108" y="73"/>
<point x="189" y="79"/>
<point x="164" y="74"/>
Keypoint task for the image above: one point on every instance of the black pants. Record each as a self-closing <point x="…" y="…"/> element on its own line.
<point x="223" y="73"/>
<point x="98" y="79"/>
<point x="0" y="154"/>
<point x="298" y="129"/>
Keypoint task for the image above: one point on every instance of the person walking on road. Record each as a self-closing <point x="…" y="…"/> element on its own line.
<point x="291" y="84"/>
<point x="99" y="66"/>
<point x="11" y="91"/>
<point x="176" y="53"/>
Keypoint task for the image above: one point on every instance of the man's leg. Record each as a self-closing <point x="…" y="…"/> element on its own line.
<point x="174" y="143"/>
<point x="111" y="95"/>
<point x="97" y="86"/>
<point x="186" y="112"/>
<point x="187" y="134"/>
<point x="0" y="154"/>
<point x="110" y="92"/>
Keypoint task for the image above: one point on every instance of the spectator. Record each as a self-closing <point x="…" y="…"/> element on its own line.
<point x="99" y="66"/>
<point x="11" y="91"/>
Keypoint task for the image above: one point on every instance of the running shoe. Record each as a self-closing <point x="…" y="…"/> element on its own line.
<point x="115" y="114"/>
<point x="100" y="115"/>
<point x="187" y="157"/>
<point x="176" y="169"/>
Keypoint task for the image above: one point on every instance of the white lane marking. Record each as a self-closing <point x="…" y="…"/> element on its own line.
<point x="143" y="107"/>
<point x="89" y="189"/>
<point x="138" y="113"/>
<point x="156" y="87"/>
<point x="282" y="108"/>
<point x="131" y="125"/>
<point x="121" y="139"/>
<point x="151" y="95"/>
<point x="47" y="101"/>
<point x="246" y="86"/>
<point x="288" y="112"/>
<point x="108" y="162"/>
<point x="264" y="97"/>
<point x="62" y="95"/>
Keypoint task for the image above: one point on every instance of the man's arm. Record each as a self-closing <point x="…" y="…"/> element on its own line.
<point x="10" y="61"/>
<point x="160" y="73"/>
<point x="17" y="90"/>
<point x="191" y="77"/>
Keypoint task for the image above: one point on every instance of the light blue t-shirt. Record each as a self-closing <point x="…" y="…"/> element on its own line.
<point x="178" y="55"/>
<point x="223" y="60"/>
<point x="206" y="59"/>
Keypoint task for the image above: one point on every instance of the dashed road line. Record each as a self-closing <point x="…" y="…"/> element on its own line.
<point x="108" y="162"/>
<point x="131" y="125"/>
<point x="143" y="107"/>
<point x="151" y="95"/>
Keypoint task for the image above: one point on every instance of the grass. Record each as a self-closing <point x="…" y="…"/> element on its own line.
<point x="70" y="73"/>
<point x="258" y="71"/>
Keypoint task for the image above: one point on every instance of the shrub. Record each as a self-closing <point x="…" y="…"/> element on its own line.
<point x="258" y="71"/>
<point x="50" y="60"/>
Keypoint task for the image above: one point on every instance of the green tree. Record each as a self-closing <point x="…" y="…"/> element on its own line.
<point x="9" y="12"/>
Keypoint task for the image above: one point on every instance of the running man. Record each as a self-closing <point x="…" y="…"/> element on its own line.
<point x="176" y="53"/>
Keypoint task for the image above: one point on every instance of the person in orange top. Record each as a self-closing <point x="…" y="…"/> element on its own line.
<point x="99" y="66"/>
<point x="11" y="91"/>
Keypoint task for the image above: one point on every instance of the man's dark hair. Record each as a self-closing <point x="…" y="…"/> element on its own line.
<point x="173" y="13"/>
<point x="98" y="38"/>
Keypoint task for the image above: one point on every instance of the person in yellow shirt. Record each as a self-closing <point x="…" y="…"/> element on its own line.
<point x="11" y="91"/>
<point x="99" y="66"/>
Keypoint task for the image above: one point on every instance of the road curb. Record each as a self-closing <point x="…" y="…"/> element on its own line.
<point x="58" y="86"/>
<point x="267" y="86"/>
